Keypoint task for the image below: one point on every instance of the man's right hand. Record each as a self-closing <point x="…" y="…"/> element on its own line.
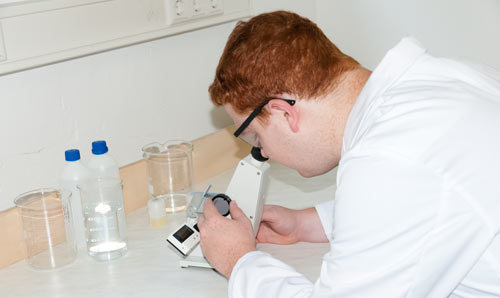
<point x="281" y="225"/>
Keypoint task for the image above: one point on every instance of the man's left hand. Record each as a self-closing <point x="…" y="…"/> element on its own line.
<point x="224" y="241"/>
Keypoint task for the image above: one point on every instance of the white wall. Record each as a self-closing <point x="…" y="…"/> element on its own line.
<point x="366" y="29"/>
<point x="158" y="90"/>
<point x="131" y="96"/>
<point x="306" y="8"/>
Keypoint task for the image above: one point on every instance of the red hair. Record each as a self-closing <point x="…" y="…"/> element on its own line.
<point x="275" y="53"/>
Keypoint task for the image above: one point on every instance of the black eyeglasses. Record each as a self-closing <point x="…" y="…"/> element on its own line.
<point x="252" y="138"/>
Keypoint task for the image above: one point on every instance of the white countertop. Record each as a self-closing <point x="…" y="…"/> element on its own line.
<point x="151" y="269"/>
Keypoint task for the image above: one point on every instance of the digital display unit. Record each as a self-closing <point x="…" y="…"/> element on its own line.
<point x="184" y="239"/>
<point x="183" y="233"/>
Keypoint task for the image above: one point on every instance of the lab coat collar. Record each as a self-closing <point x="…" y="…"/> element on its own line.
<point x="394" y="64"/>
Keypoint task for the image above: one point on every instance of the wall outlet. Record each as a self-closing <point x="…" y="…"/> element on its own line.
<point x="199" y="7"/>
<point x="178" y="11"/>
<point x="215" y="6"/>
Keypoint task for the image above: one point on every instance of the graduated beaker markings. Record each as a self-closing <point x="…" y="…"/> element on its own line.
<point x="104" y="218"/>
<point x="47" y="228"/>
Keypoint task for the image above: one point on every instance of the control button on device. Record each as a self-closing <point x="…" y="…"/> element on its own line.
<point x="221" y="202"/>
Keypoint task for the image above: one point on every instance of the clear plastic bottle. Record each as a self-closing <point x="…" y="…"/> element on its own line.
<point x="103" y="206"/>
<point x="74" y="174"/>
<point x="105" y="218"/>
<point x="102" y="164"/>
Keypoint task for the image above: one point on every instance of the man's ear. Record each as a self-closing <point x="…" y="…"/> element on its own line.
<point x="289" y="112"/>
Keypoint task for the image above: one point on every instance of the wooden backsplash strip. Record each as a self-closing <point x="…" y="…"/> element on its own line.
<point x="212" y="155"/>
<point x="12" y="247"/>
<point x="216" y="153"/>
<point x="135" y="188"/>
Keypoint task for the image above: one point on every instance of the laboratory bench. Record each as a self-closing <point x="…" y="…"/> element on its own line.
<point x="151" y="268"/>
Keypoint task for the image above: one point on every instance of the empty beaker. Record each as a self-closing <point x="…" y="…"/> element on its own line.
<point x="170" y="172"/>
<point x="48" y="227"/>
<point x="105" y="226"/>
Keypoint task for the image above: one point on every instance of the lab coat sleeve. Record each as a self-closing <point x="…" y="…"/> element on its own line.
<point x="325" y="212"/>
<point x="400" y="230"/>
<point x="258" y="274"/>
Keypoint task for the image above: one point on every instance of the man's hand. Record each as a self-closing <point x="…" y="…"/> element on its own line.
<point x="281" y="225"/>
<point x="224" y="241"/>
<point x="278" y="225"/>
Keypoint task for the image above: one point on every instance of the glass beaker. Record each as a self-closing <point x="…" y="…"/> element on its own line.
<point x="104" y="216"/>
<point x="170" y="172"/>
<point x="48" y="227"/>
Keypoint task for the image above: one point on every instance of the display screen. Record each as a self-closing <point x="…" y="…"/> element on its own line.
<point x="183" y="233"/>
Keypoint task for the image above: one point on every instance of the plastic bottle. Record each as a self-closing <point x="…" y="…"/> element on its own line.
<point x="104" y="212"/>
<point x="102" y="164"/>
<point x="74" y="174"/>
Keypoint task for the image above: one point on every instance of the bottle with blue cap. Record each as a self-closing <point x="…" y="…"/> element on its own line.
<point x="74" y="174"/>
<point x="103" y="207"/>
<point x="102" y="164"/>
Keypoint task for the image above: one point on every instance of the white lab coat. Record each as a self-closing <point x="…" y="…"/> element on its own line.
<point x="417" y="207"/>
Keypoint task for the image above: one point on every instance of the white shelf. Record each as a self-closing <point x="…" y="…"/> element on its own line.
<point x="36" y="33"/>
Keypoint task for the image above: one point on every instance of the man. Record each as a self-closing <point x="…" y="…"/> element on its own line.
<point x="417" y="144"/>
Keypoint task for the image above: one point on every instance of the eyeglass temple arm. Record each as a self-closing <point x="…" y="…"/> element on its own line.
<point x="248" y="120"/>
<point x="257" y="111"/>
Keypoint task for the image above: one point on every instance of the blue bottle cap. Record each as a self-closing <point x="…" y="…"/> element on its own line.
<point x="99" y="147"/>
<point x="72" y="155"/>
